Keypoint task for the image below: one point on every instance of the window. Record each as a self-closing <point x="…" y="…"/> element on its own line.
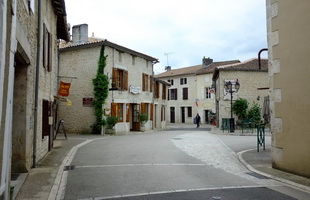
<point x="173" y="94"/>
<point x="183" y="81"/>
<point x="189" y="111"/>
<point x="117" y="111"/>
<point x="170" y="81"/>
<point x="208" y="94"/>
<point x="120" y="79"/>
<point x="145" y="82"/>
<point x="164" y="92"/>
<point x="185" y="93"/>
<point x="47" y="49"/>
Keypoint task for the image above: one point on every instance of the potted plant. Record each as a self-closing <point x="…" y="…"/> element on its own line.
<point x="111" y="121"/>
<point x="143" y="118"/>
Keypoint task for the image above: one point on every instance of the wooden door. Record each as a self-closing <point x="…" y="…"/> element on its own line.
<point x="135" y="117"/>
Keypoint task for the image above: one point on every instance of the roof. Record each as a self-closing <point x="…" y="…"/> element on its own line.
<point x="62" y="27"/>
<point x="248" y="65"/>
<point x="194" y="70"/>
<point x="93" y="42"/>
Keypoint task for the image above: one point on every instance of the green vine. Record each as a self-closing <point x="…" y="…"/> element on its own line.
<point x="101" y="89"/>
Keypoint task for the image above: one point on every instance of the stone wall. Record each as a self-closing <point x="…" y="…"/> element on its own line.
<point x="250" y="82"/>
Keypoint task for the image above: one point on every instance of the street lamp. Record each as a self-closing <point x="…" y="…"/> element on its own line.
<point x="228" y="88"/>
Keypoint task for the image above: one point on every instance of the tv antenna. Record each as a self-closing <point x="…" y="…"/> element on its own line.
<point x="167" y="54"/>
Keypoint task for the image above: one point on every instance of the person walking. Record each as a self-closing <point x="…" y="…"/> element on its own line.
<point x="197" y="120"/>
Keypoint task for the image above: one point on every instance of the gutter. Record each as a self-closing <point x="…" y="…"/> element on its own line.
<point x="36" y="103"/>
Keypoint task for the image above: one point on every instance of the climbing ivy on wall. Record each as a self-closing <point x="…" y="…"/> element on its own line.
<point x="101" y="89"/>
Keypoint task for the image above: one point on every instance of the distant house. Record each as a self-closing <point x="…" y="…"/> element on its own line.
<point x="29" y="34"/>
<point x="131" y="74"/>
<point x="254" y="85"/>
<point x="191" y="91"/>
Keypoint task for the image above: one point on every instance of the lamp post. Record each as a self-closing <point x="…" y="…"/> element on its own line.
<point x="229" y="89"/>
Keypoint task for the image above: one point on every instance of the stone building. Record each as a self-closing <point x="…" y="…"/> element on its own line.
<point x="130" y="72"/>
<point x="288" y="44"/>
<point x="29" y="36"/>
<point x="191" y="92"/>
<point x="254" y="85"/>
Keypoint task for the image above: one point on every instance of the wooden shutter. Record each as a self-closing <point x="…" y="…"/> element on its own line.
<point x="127" y="112"/>
<point x="125" y="80"/>
<point x="143" y="108"/>
<point x="45" y="116"/>
<point x="164" y="92"/>
<point x="45" y="46"/>
<point x="115" y="77"/>
<point x="151" y="112"/>
<point x="151" y="83"/>
<point x="143" y="82"/>
<point x="113" y="109"/>
<point x="50" y="52"/>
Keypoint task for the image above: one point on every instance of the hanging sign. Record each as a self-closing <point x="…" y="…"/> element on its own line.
<point x="64" y="89"/>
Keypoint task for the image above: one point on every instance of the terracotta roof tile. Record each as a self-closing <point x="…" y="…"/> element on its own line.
<point x="197" y="69"/>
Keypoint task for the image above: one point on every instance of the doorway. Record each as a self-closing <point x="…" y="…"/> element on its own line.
<point x="183" y="114"/>
<point x="172" y="114"/>
<point x="207" y="116"/>
<point x="135" y="117"/>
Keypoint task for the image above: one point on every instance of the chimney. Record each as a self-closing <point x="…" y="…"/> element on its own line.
<point x="206" y="61"/>
<point x="80" y="34"/>
<point x="168" y="68"/>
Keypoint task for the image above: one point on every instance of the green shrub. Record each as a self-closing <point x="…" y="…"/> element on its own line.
<point x="240" y="107"/>
<point x="143" y="118"/>
<point x="111" y="121"/>
<point x="254" y="112"/>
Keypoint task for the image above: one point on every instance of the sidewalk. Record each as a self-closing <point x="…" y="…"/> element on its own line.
<point x="38" y="183"/>
<point x="261" y="163"/>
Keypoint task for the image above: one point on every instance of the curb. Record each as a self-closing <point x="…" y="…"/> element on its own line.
<point x="291" y="183"/>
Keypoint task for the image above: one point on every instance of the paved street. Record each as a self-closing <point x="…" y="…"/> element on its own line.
<point x="171" y="164"/>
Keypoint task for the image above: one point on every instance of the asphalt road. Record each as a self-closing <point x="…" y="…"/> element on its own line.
<point x="174" y="164"/>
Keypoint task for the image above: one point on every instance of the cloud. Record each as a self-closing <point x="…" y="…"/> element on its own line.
<point x="221" y="29"/>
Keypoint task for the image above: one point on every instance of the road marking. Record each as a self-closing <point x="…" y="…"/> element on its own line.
<point x="175" y="191"/>
<point x="142" y="164"/>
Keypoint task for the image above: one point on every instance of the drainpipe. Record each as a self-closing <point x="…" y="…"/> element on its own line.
<point x="259" y="59"/>
<point x="36" y="103"/>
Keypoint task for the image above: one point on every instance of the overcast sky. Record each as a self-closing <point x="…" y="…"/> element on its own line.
<point x="186" y="30"/>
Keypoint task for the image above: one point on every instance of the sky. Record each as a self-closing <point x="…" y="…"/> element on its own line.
<point x="177" y="32"/>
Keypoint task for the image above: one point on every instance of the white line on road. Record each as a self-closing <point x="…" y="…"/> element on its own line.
<point x="142" y="164"/>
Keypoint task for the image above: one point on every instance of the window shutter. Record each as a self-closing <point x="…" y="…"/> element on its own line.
<point x="45" y="116"/>
<point x="50" y="52"/>
<point x="127" y="112"/>
<point x="143" y="110"/>
<point x="45" y="46"/>
<point x="151" y="83"/>
<point x="143" y="86"/>
<point x="151" y="112"/>
<point x="115" y="77"/>
<point x="125" y="80"/>
<point x="113" y="109"/>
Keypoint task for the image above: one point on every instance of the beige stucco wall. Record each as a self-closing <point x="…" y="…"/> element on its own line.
<point x="289" y="47"/>
<point x="177" y="104"/>
<point x="249" y="81"/>
<point x="204" y="81"/>
<point x="24" y="86"/>
<point x="83" y="63"/>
